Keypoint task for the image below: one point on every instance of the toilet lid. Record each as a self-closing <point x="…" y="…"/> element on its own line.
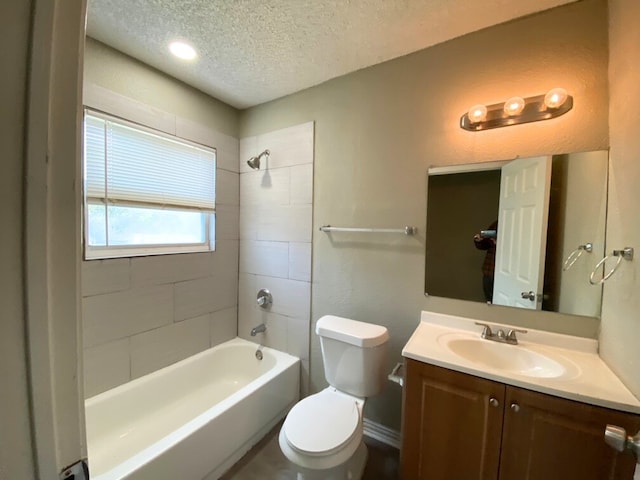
<point x="321" y="423"/>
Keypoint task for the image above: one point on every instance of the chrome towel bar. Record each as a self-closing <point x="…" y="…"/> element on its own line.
<point x="406" y="230"/>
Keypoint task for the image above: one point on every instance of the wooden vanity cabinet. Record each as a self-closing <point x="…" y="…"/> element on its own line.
<point x="457" y="426"/>
<point x="451" y="428"/>
<point x="546" y="437"/>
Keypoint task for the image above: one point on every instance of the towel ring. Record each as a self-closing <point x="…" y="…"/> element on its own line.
<point x="575" y="255"/>
<point x="626" y="253"/>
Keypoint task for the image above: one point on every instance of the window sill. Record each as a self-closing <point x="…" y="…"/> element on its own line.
<point x="101" y="253"/>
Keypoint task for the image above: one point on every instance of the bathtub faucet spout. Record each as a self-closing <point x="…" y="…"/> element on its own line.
<point x="259" y="329"/>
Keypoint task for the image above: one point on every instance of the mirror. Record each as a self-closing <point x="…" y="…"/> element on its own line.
<point x="467" y="251"/>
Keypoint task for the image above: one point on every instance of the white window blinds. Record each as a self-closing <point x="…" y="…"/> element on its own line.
<point x="128" y="164"/>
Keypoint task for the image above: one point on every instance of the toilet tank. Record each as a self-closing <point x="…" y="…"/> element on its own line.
<point x="354" y="354"/>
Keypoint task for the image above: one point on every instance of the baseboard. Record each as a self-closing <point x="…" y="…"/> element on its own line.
<point x="381" y="433"/>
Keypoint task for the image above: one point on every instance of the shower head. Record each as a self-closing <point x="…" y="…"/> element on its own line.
<point x="254" y="162"/>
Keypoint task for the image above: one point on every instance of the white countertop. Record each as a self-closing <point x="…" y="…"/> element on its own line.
<point x="586" y="379"/>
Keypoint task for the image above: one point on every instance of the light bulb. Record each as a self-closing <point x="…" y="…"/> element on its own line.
<point x="555" y="98"/>
<point x="182" y="50"/>
<point x="514" y="106"/>
<point x="477" y="113"/>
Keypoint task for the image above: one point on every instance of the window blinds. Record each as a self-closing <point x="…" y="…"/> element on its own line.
<point x="129" y="164"/>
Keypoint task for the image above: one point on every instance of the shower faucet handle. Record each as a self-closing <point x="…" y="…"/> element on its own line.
<point x="264" y="298"/>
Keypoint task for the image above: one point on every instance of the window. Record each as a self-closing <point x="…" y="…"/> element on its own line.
<point x="145" y="192"/>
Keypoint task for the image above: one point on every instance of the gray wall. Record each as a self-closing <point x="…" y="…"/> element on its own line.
<point x="377" y="131"/>
<point x="458" y="207"/>
<point x="144" y="313"/>
<point x="120" y="73"/>
<point x="620" y="335"/>
<point x="16" y="459"/>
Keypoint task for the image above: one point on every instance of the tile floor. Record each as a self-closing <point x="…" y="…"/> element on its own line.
<point x="265" y="461"/>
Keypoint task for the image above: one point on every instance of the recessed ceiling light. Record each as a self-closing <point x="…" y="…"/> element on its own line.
<point x="182" y="50"/>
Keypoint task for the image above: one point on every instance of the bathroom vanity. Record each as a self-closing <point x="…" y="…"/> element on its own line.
<point x="478" y="409"/>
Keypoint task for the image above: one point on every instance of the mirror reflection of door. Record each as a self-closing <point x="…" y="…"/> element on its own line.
<point x="522" y="232"/>
<point x="463" y="200"/>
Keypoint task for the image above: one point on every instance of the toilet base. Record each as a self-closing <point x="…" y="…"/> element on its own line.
<point x="352" y="469"/>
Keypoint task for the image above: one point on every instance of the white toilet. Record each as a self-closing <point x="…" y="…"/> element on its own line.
<point x="322" y="434"/>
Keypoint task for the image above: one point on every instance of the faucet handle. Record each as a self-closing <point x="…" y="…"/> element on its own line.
<point x="264" y="298"/>
<point x="511" y="334"/>
<point x="486" y="331"/>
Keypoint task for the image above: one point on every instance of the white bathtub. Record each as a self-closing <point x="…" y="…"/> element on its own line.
<point x="193" y="419"/>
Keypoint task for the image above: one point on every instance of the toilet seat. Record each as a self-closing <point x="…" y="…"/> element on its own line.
<point x="322" y="424"/>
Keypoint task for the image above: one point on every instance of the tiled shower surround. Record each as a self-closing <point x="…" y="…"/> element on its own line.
<point x="275" y="240"/>
<point x="141" y="314"/>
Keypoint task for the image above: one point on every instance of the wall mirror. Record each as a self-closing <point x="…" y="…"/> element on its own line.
<point x="487" y="236"/>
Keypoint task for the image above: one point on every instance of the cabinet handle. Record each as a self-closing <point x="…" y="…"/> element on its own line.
<point x="515" y="407"/>
<point x="494" y="402"/>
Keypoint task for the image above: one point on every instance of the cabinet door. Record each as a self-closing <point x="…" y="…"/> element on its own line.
<point x="451" y="425"/>
<point x="548" y="438"/>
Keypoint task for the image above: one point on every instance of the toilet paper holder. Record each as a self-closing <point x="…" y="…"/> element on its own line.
<point x="395" y="376"/>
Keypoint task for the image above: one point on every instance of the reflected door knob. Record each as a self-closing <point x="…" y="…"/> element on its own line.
<point x="617" y="438"/>
<point x="529" y="295"/>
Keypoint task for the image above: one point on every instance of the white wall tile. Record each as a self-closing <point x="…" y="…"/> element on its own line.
<point x="227" y="188"/>
<point x="158" y="348"/>
<point x="264" y="258"/>
<point x="159" y="269"/>
<point x="194" y="298"/>
<point x="281" y="224"/>
<point x="290" y="297"/>
<point x="298" y="337"/>
<point x="276" y="334"/>
<point x="301" y="178"/>
<point x="305" y="379"/>
<point x="104" y="276"/>
<point x="248" y="148"/>
<point x="300" y="261"/>
<point x="247" y="312"/>
<point x="224" y="268"/>
<point x="288" y="146"/>
<point x="265" y="187"/>
<point x="106" y="366"/>
<point x="105" y="100"/>
<point x="249" y="217"/>
<point x="227" y="222"/>
<point x="118" y="315"/>
<point x="224" y="325"/>
<point x="227" y="152"/>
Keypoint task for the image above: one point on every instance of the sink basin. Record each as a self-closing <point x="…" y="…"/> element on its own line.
<point x="500" y="356"/>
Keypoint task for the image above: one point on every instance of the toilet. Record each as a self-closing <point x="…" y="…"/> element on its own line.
<point x="322" y="434"/>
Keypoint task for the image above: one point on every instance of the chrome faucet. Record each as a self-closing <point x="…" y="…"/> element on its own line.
<point x="259" y="329"/>
<point x="500" y="335"/>
<point x="264" y="298"/>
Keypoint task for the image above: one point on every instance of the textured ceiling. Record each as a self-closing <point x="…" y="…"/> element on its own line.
<point x="252" y="51"/>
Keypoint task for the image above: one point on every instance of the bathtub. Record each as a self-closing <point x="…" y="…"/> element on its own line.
<point x="191" y="420"/>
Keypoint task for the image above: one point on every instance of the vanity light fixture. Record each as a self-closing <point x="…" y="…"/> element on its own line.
<point x="517" y="110"/>
<point x="477" y="113"/>
<point x="514" y="106"/>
